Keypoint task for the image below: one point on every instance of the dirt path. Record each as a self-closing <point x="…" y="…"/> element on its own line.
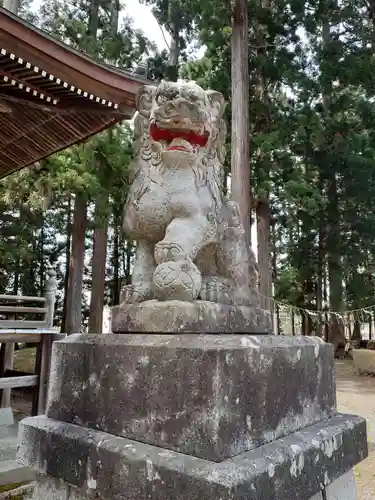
<point x="356" y="394"/>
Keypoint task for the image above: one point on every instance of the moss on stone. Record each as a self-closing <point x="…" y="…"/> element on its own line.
<point x="15" y="491"/>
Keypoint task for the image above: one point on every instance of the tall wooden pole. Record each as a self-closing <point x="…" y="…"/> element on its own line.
<point x="12" y="5"/>
<point x="240" y="170"/>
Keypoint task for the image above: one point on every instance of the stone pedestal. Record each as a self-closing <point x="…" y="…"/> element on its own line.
<point x="200" y="316"/>
<point x="174" y="417"/>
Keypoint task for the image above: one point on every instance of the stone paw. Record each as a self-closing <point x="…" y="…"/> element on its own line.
<point x="208" y="292"/>
<point x="166" y="251"/>
<point x="214" y="290"/>
<point x="245" y="296"/>
<point x="133" y="295"/>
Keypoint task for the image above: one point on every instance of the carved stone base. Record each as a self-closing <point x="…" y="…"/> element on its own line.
<point x="187" y="417"/>
<point x="342" y="488"/>
<point x="83" y="464"/>
<point x="174" y="316"/>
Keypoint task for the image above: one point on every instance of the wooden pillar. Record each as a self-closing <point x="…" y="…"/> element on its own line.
<point x="12" y="5"/>
<point x="43" y="362"/>
<point x="6" y="363"/>
<point x="240" y="172"/>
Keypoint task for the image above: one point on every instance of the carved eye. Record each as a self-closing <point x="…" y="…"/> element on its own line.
<point x="162" y="99"/>
<point x="192" y="96"/>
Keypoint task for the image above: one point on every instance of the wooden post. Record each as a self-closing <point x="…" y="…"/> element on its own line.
<point x="50" y="294"/>
<point x="43" y="362"/>
<point x="12" y="5"/>
<point x="240" y="172"/>
<point x="6" y="363"/>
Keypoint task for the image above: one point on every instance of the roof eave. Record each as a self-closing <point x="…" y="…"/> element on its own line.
<point x="59" y="59"/>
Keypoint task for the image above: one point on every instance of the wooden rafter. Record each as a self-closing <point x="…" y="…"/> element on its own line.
<point x="52" y="96"/>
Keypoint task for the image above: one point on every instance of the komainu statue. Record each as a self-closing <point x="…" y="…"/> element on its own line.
<point x="190" y="242"/>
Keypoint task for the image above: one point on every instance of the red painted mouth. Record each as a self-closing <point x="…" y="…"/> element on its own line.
<point x="162" y="134"/>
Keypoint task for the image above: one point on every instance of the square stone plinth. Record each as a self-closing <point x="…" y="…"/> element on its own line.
<point x="49" y="488"/>
<point x="174" y="316"/>
<point x="208" y="396"/>
<point x="80" y="463"/>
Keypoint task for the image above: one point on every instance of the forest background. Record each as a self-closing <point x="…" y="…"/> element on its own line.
<point x="312" y="138"/>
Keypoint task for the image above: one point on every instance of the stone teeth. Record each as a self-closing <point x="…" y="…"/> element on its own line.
<point x="182" y="142"/>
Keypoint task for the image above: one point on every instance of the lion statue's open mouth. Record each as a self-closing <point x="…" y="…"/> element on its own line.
<point x="178" y="139"/>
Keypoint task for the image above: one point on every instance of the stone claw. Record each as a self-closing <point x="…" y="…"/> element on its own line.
<point x="131" y="295"/>
<point x="166" y="251"/>
<point x="213" y="290"/>
<point x="208" y="292"/>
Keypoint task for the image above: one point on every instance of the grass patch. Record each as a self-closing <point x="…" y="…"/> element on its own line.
<point x="9" y="487"/>
<point x="24" y="360"/>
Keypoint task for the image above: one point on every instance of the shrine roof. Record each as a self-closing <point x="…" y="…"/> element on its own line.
<point x="52" y="96"/>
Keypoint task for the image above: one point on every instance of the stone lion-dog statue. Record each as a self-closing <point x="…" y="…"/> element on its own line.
<point x="190" y="243"/>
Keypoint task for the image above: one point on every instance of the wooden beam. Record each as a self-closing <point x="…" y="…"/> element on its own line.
<point x="28" y="331"/>
<point x="240" y="169"/>
<point x="30" y="338"/>
<point x="9" y="323"/>
<point x="21" y="298"/>
<point x="68" y="108"/>
<point x="17" y="309"/>
<point x="13" y="382"/>
<point x="56" y="58"/>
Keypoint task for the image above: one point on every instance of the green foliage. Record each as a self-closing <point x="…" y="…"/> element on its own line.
<point x="312" y="114"/>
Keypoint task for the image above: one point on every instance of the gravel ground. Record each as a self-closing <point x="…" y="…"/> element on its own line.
<point x="356" y="395"/>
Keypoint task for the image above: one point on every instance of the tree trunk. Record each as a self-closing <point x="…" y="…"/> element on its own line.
<point x="76" y="266"/>
<point x="333" y="214"/>
<point x="335" y="328"/>
<point x="128" y="255"/>
<point x="264" y="169"/>
<point x="370" y="323"/>
<point x="240" y="170"/>
<point x="336" y="331"/>
<point x="115" y="11"/>
<point x="116" y="286"/>
<point x="372" y="18"/>
<point x="278" y="320"/>
<point x="16" y="282"/>
<point x="293" y="319"/>
<point x="67" y="262"/>
<point x="171" y="70"/>
<point x="94" y="18"/>
<point x="99" y="260"/>
<point x="273" y="274"/>
<point x="264" y="254"/>
<point x="321" y="255"/>
<point x="356" y="336"/>
<point x="333" y="247"/>
<point x="41" y="260"/>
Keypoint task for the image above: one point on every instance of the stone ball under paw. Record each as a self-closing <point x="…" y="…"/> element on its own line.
<point x="179" y="280"/>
